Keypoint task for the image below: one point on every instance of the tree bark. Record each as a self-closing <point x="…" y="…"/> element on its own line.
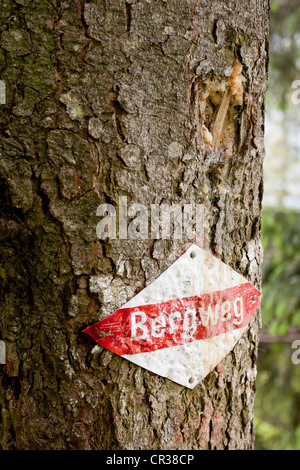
<point x="108" y="99"/>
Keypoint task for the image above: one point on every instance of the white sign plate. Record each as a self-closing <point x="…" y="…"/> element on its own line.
<point x="184" y="323"/>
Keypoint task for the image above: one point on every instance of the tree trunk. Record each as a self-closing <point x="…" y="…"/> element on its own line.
<point x="108" y="99"/>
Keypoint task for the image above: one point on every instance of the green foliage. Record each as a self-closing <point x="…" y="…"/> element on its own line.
<point x="281" y="270"/>
<point x="284" y="50"/>
<point x="277" y="403"/>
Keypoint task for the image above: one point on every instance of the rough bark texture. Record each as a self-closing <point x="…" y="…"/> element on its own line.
<point x="108" y="98"/>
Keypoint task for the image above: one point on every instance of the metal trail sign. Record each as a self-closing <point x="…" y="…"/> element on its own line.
<point x="184" y="323"/>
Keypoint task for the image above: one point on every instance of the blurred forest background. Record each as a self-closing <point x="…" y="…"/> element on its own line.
<point x="277" y="403"/>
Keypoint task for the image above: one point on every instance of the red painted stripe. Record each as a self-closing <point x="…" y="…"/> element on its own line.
<point x="150" y="327"/>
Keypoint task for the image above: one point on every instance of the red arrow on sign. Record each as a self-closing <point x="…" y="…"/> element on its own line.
<point x="147" y="328"/>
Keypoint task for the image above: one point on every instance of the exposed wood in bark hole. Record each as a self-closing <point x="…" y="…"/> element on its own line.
<point x="217" y="104"/>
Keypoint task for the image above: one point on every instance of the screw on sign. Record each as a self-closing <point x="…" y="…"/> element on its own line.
<point x="184" y="323"/>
